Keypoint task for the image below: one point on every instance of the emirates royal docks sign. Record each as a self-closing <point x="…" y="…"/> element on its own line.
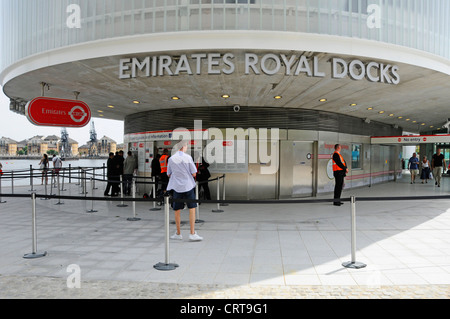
<point x="44" y="111"/>
<point x="268" y="64"/>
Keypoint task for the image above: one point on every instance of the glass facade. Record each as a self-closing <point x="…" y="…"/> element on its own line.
<point x="34" y="26"/>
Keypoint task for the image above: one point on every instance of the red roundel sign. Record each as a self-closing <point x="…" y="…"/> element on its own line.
<point x="44" y="111"/>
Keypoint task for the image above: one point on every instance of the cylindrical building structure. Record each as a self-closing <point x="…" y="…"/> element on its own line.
<point x="265" y="88"/>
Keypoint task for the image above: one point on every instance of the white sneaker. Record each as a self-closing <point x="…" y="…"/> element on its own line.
<point x="195" y="237"/>
<point x="176" y="236"/>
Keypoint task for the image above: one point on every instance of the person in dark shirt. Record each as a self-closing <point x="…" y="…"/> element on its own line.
<point x="438" y="164"/>
<point x="340" y="170"/>
<point x="109" y="172"/>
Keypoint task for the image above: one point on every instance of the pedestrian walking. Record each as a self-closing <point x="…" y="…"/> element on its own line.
<point x="438" y="164"/>
<point x="181" y="171"/>
<point x="413" y="166"/>
<point x="340" y="170"/>
<point x="425" y="175"/>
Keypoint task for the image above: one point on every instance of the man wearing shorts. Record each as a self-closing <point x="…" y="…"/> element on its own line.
<point x="413" y="166"/>
<point x="181" y="171"/>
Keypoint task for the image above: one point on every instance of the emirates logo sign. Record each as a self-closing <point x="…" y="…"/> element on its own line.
<point x="44" y="111"/>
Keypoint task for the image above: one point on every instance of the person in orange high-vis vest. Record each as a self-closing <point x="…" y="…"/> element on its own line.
<point x="164" y="159"/>
<point x="340" y="170"/>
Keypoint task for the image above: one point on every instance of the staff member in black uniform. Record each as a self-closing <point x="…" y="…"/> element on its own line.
<point x="340" y="170"/>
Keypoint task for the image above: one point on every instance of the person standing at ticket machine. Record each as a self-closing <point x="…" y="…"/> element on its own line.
<point x="340" y="170"/>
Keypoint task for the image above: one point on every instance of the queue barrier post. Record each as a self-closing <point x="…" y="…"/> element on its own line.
<point x="218" y="210"/>
<point x="223" y="191"/>
<point x="63" y="174"/>
<point x="34" y="254"/>
<point x="31" y="179"/>
<point x="353" y="263"/>
<point x="166" y="265"/>
<point x="121" y="193"/>
<point x="197" y="220"/>
<point x="92" y="210"/>
<point x="59" y="191"/>
<point x="134" y="218"/>
<point x="1" y="201"/>
<point x="12" y="182"/>
<point x="45" y="189"/>
<point x="154" y="195"/>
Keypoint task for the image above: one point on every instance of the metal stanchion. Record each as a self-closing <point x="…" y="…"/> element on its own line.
<point x="121" y="194"/>
<point x="63" y="175"/>
<point x="93" y="173"/>
<point x="59" y="191"/>
<point x="353" y="263"/>
<point x="31" y="179"/>
<point x="82" y="182"/>
<point x="70" y="174"/>
<point x="154" y="195"/>
<point x="218" y="210"/>
<point x="92" y="203"/>
<point x="34" y="253"/>
<point x="12" y="182"/>
<point x="45" y="188"/>
<point x="223" y="191"/>
<point x="165" y="266"/>
<point x="134" y="218"/>
<point x="79" y="180"/>
<point x="1" y="201"/>
<point x="197" y="220"/>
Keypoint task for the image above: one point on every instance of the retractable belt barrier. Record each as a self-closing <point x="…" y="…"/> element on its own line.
<point x="166" y="265"/>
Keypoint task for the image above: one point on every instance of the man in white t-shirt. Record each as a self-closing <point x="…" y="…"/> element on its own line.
<point x="181" y="171"/>
<point x="57" y="164"/>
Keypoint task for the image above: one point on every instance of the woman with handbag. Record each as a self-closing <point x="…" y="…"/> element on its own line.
<point x="425" y="170"/>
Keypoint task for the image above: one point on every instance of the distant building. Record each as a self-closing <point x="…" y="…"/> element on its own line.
<point x="53" y="143"/>
<point x="8" y="147"/>
<point x="37" y="145"/>
<point x="106" y="145"/>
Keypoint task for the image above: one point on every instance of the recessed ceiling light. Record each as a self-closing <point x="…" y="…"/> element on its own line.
<point x="423" y="124"/>
<point x="100" y="111"/>
<point x="414" y="121"/>
<point x="353" y="104"/>
<point x="400" y="117"/>
<point x="111" y="106"/>
<point x="370" y="109"/>
<point x="136" y="102"/>
<point x="175" y="98"/>
<point x="407" y="120"/>
<point x="323" y="100"/>
<point x="391" y="115"/>
<point x="381" y="112"/>
<point x="225" y="96"/>
<point x="431" y="126"/>
<point x="278" y="97"/>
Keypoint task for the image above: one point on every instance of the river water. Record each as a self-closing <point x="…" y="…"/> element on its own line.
<point x="17" y="165"/>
